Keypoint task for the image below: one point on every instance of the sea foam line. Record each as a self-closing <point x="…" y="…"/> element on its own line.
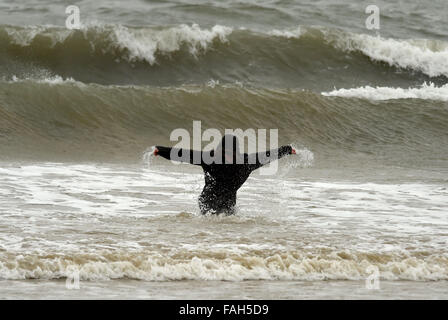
<point x="239" y="268"/>
<point x="425" y="91"/>
<point x="423" y="55"/>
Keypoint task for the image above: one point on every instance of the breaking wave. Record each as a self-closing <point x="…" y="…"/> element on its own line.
<point x="77" y="119"/>
<point x="425" y="92"/>
<point x="212" y="265"/>
<point x="116" y="54"/>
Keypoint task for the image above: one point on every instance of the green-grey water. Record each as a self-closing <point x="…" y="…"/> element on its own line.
<point x="367" y="111"/>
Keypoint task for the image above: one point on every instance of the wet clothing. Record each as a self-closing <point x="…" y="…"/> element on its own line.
<point x="225" y="169"/>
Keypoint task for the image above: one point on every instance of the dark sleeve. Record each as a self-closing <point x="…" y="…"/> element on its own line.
<point x="258" y="160"/>
<point x="182" y="155"/>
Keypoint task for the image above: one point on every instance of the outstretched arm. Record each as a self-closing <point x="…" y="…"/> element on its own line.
<point x="182" y="155"/>
<point x="258" y="160"/>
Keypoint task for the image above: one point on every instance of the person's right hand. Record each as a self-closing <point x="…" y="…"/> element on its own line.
<point x="156" y="152"/>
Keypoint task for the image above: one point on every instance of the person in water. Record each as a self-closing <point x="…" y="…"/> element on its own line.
<point x="225" y="169"/>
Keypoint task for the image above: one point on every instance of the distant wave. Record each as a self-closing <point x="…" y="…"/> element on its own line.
<point x="110" y="53"/>
<point x="132" y="44"/>
<point x="427" y="56"/>
<point x="425" y="91"/>
<point x="62" y="114"/>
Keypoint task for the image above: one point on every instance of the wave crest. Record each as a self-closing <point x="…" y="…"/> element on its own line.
<point x="143" y="44"/>
<point x="137" y="44"/>
<point x="225" y="266"/>
<point x="425" y="91"/>
<point x="302" y="49"/>
<point x="427" y="56"/>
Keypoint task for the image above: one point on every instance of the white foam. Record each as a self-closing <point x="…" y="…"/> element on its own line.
<point x="114" y="222"/>
<point x="26" y="35"/>
<point x="424" y="55"/>
<point x="287" y="33"/>
<point x="427" y="56"/>
<point x="45" y="78"/>
<point x="141" y="44"/>
<point x="306" y="157"/>
<point x="148" y="156"/>
<point x="425" y="91"/>
<point x="144" y="44"/>
<point x="236" y="267"/>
